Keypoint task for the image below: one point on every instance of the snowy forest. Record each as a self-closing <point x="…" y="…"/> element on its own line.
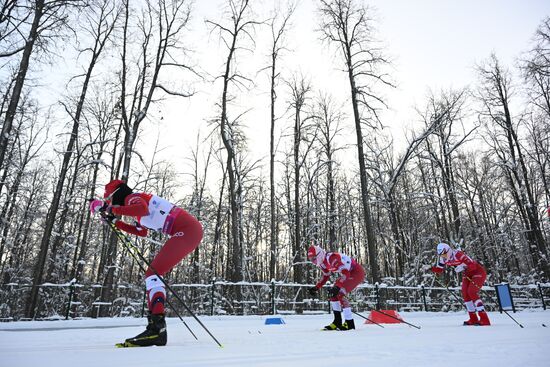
<point x="474" y="172"/>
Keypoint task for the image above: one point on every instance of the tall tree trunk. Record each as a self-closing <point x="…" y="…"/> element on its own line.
<point x="54" y="205"/>
<point x="273" y="243"/>
<point x="229" y="134"/>
<point x="20" y="79"/>
<point x="348" y="26"/>
<point x="367" y="217"/>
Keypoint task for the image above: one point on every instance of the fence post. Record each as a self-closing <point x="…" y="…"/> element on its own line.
<point x="212" y="295"/>
<point x="424" y="297"/>
<point x="273" y="307"/>
<point x="541" y="296"/>
<point x="377" y="296"/>
<point x="71" y="291"/>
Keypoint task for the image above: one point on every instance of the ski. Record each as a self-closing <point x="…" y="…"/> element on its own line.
<point x="126" y="345"/>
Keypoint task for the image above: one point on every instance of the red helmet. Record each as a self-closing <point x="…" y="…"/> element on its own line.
<point x="315" y="254"/>
<point x="111" y="187"/>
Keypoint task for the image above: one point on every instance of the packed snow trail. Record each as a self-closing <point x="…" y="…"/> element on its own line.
<point x="442" y="341"/>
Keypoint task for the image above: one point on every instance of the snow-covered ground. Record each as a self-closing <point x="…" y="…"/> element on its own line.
<point x="247" y="341"/>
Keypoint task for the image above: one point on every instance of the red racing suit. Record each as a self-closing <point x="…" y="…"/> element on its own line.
<point x="350" y="271"/>
<point x="155" y="213"/>
<point x="474" y="274"/>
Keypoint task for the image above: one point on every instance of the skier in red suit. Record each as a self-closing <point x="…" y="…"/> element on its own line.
<point x="151" y="213"/>
<point x="351" y="275"/>
<point x="472" y="281"/>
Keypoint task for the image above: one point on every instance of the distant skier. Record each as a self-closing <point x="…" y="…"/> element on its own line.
<point x="351" y="275"/>
<point x="472" y="281"/>
<point x="155" y="213"/>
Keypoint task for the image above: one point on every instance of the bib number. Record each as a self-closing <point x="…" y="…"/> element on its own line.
<point x="159" y="209"/>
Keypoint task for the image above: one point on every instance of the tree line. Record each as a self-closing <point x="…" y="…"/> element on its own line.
<point x="474" y="174"/>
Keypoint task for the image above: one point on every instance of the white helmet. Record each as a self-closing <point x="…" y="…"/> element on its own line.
<point x="443" y="248"/>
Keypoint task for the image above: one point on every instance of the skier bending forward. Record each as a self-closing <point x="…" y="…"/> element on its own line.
<point x="351" y="275"/>
<point x="155" y="213"/>
<point x="472" y="281"/>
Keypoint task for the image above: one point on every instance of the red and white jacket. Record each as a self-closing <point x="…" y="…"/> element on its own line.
<point x="336" y="263"/>
<point x="151" y="212"/>
<point x="461" y="261"/>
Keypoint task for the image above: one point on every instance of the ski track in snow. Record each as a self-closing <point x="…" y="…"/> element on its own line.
<point x="441" y="342"/>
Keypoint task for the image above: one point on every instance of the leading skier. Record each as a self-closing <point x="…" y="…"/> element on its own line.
<point x="154" y="213"/>
<point x="351" y="275"/>
<point x="474" y="276"/>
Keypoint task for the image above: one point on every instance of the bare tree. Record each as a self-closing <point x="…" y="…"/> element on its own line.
<point x="101" y="24"/>
<point x="329" y="118"/>
<point x="349" y="28"/>
<point x="300" y="89"/>
<point x="241" y="25"/>
<point x="536" y="71"/>
<point x="101" y="112"/>
<point x="160" y="28"/>
<point x="449" y="135"/>
<point x="13" y="18"/>
<point x="49" y="17"/>
<point x="197" y="202"/>
<point x="29" y="141"/>
<point x="388" y="171"/>
<point x="502" y="126"/>
<point x="279" y="27"/>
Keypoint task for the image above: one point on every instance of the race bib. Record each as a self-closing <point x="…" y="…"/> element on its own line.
<point x="346" y="260"/>
<point x="159" y="209"/>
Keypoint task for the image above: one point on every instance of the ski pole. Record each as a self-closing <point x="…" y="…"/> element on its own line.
<point x="134" y="250"/>
<point x="395" y="318"/>
<point x="366" y="318"/>
<point x="167" y="300"/>
<point x="138" y="262"/>
<point x="129" y="245"/>
<point x="452" y="294"/>
<point x="492" y="299"/>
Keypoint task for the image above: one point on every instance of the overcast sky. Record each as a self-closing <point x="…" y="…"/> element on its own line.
<point x="437" y="43"/>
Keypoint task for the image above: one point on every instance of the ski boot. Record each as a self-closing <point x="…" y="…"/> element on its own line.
<point x="154" y="334"/>
<point x="473" y="320"/>
<point x="336" y="323"/>
<point x="484" y="319"/>
<point x="347" y="325"/>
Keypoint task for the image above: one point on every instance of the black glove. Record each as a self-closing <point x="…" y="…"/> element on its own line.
<point x="333" y="292"/>
<point x="103" y="208"/>
<point x="108" y="218"/>
<point x="107" y="209"/>
<point x="313" y="291"/>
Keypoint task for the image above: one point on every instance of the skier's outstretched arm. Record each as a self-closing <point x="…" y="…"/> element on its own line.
<point x="135" y="207"/>
<point x="133" y="229"/>
<point x="324" y="279"/>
